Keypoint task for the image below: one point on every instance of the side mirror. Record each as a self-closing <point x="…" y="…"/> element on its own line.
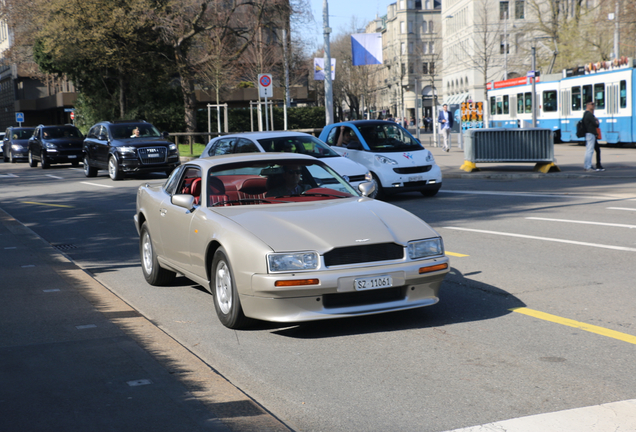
<point x="165" y="134"/>
<point x="366" y="188"/>
<point x="183" y="200"/>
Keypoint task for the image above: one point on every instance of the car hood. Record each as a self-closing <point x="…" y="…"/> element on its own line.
<point x="324" y="225"/>
<point x="137" y="142"/>
<point x="65" y="141"/>
<point x="344" y="166"/>
<point x="403" y="158"/>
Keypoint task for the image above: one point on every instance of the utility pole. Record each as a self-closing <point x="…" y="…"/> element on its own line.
<point x="328" y="84"/>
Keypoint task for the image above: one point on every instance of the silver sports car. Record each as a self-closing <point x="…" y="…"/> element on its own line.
<point x="274" y="237"/>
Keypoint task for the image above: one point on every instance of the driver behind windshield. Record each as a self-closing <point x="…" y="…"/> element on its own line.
<point x="287" y="183"/>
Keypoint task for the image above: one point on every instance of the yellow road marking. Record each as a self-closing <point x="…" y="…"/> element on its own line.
<point x="576" y="324"/>
<point x="45" y="204"/>
<point x="456" y="254"/>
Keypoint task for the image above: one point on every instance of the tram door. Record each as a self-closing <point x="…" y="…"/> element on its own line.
<point x="565" y="110"/>
<point x="613" y="94"/>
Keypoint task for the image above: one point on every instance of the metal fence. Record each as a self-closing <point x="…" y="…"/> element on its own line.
<point x="509" y="145"/>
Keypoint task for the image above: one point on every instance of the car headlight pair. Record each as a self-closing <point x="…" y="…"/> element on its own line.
<point x="293" y="261"/>
<point x="426" y="248"/>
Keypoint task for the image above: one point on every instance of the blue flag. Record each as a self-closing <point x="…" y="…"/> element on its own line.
<point x="366" y="48"/>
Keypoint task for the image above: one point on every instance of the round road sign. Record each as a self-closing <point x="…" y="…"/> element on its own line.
<point x="265" y="81"/>
<point x="72" y="115"/>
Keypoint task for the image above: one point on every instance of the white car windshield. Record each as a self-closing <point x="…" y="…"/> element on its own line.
<point x="304" y="144"/>
<point x="388" y="137"/>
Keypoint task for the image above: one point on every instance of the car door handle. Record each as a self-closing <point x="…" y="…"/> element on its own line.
<point x="163" y="211"/>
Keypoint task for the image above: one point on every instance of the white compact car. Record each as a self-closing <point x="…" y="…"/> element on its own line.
<point x="288" y="142"/>
<point x="397" y="161"/>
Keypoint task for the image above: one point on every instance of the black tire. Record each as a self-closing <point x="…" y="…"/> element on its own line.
<point x="89" y="171"/>
<point x="226" y="299"/>
<point x="44" y="161"/>
<point x="430" y="192"/>
<point x="153" y="272"/>
<point x="379" y="190"/>
<point x="113" y="169"/>
<point x="32" y="162"/>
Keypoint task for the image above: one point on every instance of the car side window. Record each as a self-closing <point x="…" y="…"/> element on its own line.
<point x="331" y="138"/>
<point x="170" y="186"/>
<point x="245" y="146"/>
<point x="221" y="147"/>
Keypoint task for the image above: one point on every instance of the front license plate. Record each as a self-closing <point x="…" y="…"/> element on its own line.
<point x="72" y="156"/>
<point x="415" y="178"/>
<point x="153" y="155"/>
<point x="375" y="282"/>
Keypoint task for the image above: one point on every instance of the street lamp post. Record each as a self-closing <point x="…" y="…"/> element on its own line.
<point x="327" y="69"/>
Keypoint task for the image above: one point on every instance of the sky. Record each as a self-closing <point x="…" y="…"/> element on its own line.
<point x="341" y="13"/>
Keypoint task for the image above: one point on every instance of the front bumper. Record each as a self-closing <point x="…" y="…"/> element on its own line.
<point x="132" y="164"/>
<point x="393" y="182"/>
<point x="336" y="297"/>
<point x="65" y="156"/>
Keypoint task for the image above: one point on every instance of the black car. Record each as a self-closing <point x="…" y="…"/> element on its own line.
<point x="15" y="144"/>
<point x="55" y="144"/>
<point x="128" y="147"/>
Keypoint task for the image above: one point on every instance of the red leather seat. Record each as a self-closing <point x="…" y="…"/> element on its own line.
<point x="195" y="190"/>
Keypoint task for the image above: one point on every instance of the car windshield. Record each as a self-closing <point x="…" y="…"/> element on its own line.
<point x="305" y="144"/>
<point x="61" y="132"/>
<point x="266" y="182"/>
<point x="146" y="130"/>
<point x="21" y="133"/>
<point x="388" y="137"/>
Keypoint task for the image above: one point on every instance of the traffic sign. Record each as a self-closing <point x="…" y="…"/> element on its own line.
<point x="72" y="115"/>
<point x="265" y="88"/>
<point x="19" y="117"/>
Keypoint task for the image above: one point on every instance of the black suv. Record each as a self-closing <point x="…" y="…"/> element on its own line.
<point x="55" y="144"/>
<point x="15" y="143"/>
<point x="128" y="147"/>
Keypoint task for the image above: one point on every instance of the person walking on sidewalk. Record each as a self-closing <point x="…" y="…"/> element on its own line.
<point x="445" y="121"/>
<point x="590" y="124"/>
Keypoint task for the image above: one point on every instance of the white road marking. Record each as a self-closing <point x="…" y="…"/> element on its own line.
<point x="583" y="222"/>
<point x="97" y="184"/>
<point x="55" y="177"/>
<point x="9" y="175"/>
<point x="620" y="248"/>
<point x="613" y="416"/>
<point x="534" y="195"/>
<point x="621" y="208"/>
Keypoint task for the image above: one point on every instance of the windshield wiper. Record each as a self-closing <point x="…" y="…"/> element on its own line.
<point x="325" y="195"/>
<point x="240" y="201"/>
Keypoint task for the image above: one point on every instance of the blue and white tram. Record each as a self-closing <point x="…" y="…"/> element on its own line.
<point x="561" y="103"/>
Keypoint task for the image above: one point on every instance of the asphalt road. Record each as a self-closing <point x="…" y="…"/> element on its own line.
<point x="536" y="316"/>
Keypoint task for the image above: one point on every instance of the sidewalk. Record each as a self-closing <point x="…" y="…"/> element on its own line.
<point x="619" y="163"/>
<point x="73" y="356"/>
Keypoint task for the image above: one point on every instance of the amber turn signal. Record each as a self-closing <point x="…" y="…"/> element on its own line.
<point x="297" y="282"/>
<point x="433" y="268"/>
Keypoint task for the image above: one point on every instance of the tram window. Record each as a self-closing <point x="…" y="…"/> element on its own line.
<point x="623" y="95"/>
<point x="499" y="107"/>
<point x="576" y="98"/>
<point x="599" y="96"/>
<point x="492" y="105"/>
<point x="528" y="98"/>
<point x="520" y="103"/>
<point x="549" y="100"/>
<point x="587" y="94"/>
<point x="506" y="105"/>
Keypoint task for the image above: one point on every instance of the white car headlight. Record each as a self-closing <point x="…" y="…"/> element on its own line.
<point x="430" y="158"/>
<point x="173" y="147"/>
<point x="385" y="160"/>
<point x="426" y="248"/>
<point x="126" y="149"/>
<point x="16" y="147"/>
<point x="368" y="176"/>
<point x="293" y="261"/>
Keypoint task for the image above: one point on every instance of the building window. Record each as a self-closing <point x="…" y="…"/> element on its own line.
<point x="504" y="46"/>
<point x="431" y="68"/>
<point x="431" y="47"/>
<point x="410" y="47"/>
<point x="418" y="4"/>
<point x="402" y="27"/>
<point x="427" y="4"/>
<point x="403" y="69"/>
<point x="402" y="48"/>
<point x="424" y="48"/>
<point x="402" y="5"/>
<point x="503" y="10"/>
<point x="410" y="26"/>
<point x="424" y="27"/>
<point x="425" y="68"/>
<point x="430" y="26"/>
<point x="520" y="9"/>
<point x="411" y="71"/>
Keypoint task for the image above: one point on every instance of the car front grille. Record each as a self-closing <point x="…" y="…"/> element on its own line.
<point x="413" y="170"/>
<point x="361" y="298"/>
<point x="364" y="254"/>
<point x="152" y="155"/>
